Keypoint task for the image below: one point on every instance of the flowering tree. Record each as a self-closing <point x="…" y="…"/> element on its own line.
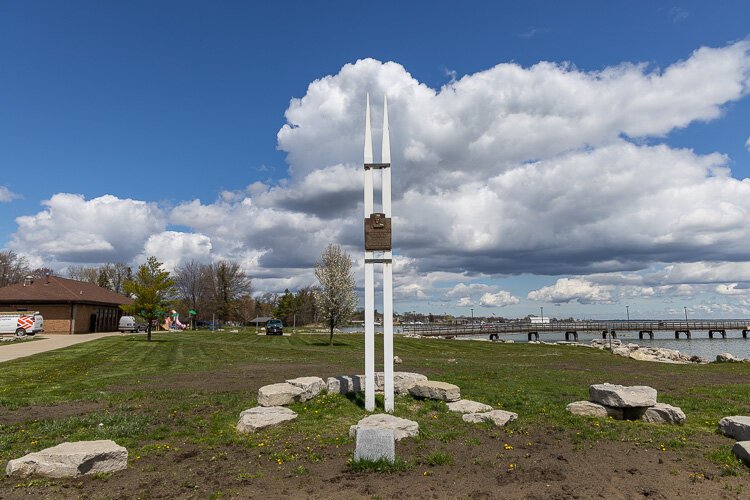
<point x="336" y="297"/>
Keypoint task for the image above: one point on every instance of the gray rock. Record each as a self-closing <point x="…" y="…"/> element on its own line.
<point x="618" y="396"/>
<point x="432" y="389"/>
<point x="375" y="444"/>
<point x="402" y="428"/>
<point x="726" y="357"/>
<point x="346" y="384"/>
<point x="737" y="427"/>
<point x="468" y="406"/>
<point x="741" y="449"/>
<point x="403" y="381"/>
<point x="311" y="386"/>
<point x="662" y="413"/>
<point x="260" y="417"/>
<point x="589" y="409"/>
<point x="497" y="417"/>
<point x="397" y="360"/>
<point x="279" y="394"/>
<point x="71" y="460"/>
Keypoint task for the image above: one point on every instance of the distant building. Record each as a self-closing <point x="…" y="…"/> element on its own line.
<point x="539" y="320"/>
<point x="68" y="306"/>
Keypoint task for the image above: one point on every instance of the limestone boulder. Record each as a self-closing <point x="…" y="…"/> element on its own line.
<point x="397" y="360"/>
<point x="260" y="417"/>
<point x="279" y="394"/>
<point x="403" y="381"/>
<point x="432" y="389"/>
<point x="311" y="386"/>
<point x="497" y="417"/>
<point x="468" y="406"/>
<point x="737" y="427"/>
<point x="662" y="413"/>
<point x="726" y="357"/>
<point x="589" y="409"/>
<point x="402" y="428"/>
<point x="741" y="449"/>
<point x="71" y="460"/>
<point x="345" y="384"/>
<point x="618" y="396"/>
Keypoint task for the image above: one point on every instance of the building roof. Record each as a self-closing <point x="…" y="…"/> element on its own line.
<point x="53" y="289"/>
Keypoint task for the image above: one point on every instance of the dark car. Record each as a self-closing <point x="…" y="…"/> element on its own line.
<point x="274" y="327"/>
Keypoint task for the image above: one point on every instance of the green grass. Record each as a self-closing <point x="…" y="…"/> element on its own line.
<point x="125" y="377"/>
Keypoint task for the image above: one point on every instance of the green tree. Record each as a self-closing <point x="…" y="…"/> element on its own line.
<point x="151" y="289"/>
<point x="286" y="308"/>
<point x="336" y="298"/>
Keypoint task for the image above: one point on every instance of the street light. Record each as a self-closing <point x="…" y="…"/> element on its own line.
<point x="542" y="311"/>
<point x="627" y="309"/>
<point x="472" y="315"/>
<point x="685" y="313"/>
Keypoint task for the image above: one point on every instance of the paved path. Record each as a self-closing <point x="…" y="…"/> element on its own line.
<point x="47" y="343"/>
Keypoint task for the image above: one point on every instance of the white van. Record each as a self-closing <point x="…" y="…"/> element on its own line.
<point x="21" y="323"/>
<point x="129" y="324"/>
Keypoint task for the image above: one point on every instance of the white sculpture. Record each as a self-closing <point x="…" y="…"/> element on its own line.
<point x="378" y="239"/>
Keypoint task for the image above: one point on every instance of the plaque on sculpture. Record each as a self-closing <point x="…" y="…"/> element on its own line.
<point x="377" y="232"/>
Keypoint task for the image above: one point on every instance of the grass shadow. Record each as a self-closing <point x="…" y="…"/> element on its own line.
<point x="358" y="398"/>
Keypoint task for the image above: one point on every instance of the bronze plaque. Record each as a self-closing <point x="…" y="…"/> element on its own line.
<point x="377" y="232"/>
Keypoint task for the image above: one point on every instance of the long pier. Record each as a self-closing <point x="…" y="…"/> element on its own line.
<point x="572" y="329"/>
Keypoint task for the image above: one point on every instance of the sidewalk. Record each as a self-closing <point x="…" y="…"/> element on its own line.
<point x="47" y="343"/>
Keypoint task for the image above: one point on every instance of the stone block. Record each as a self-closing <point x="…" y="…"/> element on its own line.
<point x="737" y="427"/>
<point x="741" y="449"/>
<point x="260" y="417"/>
<point x="468" y="406"/>
<point x="589" y="409"/>
<point x="402" y="428"/>
<point x="279" y="394"/>
<point x="432" y="389"/>
<point x="403" y="381"/>
<point x="375" y="444"/>
<point x="619" y="396"/>
<point x="662" y="413"/>
<point x="311" y="386"/>
<point x="497" y="417"/>
<point x="71" y="460"/>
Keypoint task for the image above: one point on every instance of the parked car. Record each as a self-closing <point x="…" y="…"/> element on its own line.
<point x="129" y="324"/>
<point x="274" y="327"/>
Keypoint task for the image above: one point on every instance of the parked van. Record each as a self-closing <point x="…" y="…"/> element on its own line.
<point x="21" y="323"/>
<point x="129" y="324"/>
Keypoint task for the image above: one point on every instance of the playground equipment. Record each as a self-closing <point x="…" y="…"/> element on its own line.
<point x="172" y="322"/>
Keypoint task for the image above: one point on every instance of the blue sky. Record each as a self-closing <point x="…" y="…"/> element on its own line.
<point x="165" y="118"/>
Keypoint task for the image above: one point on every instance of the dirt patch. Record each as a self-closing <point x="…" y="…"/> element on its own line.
<point x="62" y="410"/>
<point x="486" y="464"/>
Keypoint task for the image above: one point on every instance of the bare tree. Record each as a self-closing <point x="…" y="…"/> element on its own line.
<point x="228" y="284"/>
<point x="193" y="285"/>
<point x="13" y="268"/>
<point x="336" y="298"/>
<point x="84" y="273"/>
<point x="116" y="274"/>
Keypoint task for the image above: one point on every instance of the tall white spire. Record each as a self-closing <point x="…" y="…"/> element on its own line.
<point x="386" y="133"/>
<point x="368" y="133"/>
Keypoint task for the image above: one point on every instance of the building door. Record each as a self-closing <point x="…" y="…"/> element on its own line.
<point x="92" y="324"/>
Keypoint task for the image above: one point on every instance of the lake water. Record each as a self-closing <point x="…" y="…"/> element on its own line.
<point x="699" y="345"/>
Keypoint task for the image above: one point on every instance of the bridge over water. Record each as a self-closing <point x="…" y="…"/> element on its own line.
<point x="573" y="328"/>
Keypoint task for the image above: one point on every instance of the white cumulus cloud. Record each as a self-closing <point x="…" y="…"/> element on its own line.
<point x="572" y="290"/>
<point x="499" y="299"/>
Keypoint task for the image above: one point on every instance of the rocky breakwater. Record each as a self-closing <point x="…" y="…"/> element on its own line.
<point x="626" y="403"/>
<point x="640" y="353"/>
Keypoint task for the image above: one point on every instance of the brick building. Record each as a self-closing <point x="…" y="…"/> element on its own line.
<point x="68" y="306"/>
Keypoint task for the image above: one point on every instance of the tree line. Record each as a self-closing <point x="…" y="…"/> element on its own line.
<point x="220" y="290"/>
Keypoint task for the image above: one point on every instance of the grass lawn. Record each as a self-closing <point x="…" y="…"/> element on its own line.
<point x="174" y="402"/>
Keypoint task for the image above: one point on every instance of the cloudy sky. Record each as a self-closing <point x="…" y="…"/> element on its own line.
<point x="577" y="156"/>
